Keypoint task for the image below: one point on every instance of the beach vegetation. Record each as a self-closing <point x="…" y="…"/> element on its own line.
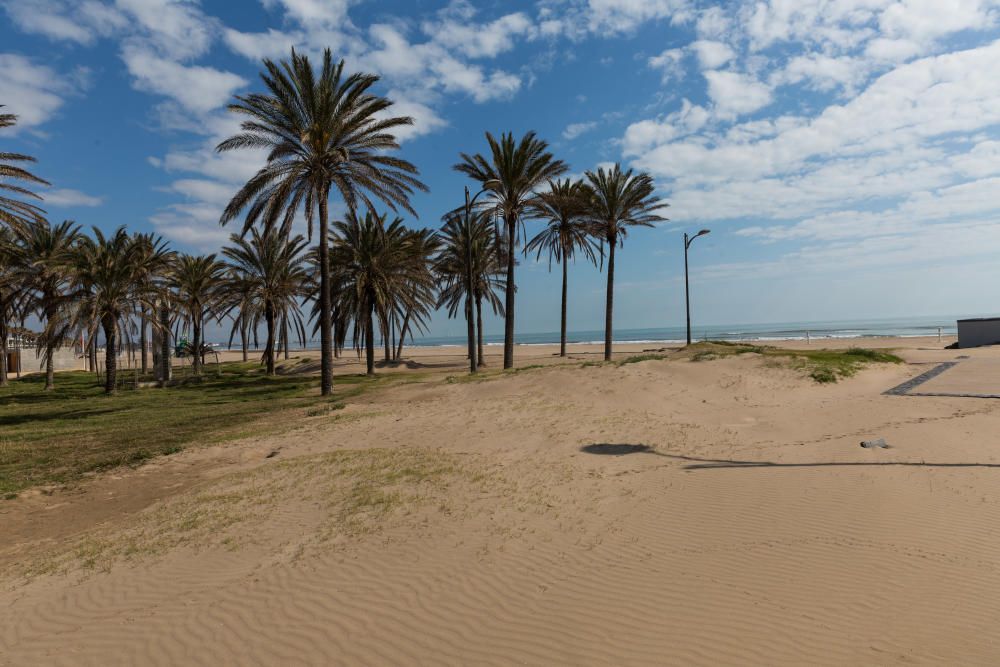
<point x="58" y="436"/>
<point x="823" y="366"/>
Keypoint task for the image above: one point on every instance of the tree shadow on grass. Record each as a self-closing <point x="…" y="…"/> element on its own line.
<point x="696" y="463"/>
<point x="15" y="420"/>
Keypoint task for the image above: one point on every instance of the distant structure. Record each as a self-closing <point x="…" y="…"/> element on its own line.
<point x="979" y="331"/>
<point x="24" y="357"/>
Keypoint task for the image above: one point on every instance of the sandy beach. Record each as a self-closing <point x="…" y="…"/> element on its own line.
<point x="668" y="511"/>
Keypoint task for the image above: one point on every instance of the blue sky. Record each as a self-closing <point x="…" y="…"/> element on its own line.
<point x="845" y="153"/>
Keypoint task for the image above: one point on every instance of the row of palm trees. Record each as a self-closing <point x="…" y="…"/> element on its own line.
<point x="325" y="134"/>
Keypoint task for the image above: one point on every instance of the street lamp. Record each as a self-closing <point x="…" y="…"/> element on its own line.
<point x="687" y="292"/>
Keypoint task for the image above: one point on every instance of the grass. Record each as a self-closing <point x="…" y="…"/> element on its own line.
<point x="57" y="437"/>
<point x="823" y="366"/>
<point x="342" y="495"/>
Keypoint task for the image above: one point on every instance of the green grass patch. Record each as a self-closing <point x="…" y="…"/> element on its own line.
<point x="58" y="436"/>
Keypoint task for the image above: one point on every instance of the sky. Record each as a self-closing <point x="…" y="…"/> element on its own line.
<point x="844" y="153"/>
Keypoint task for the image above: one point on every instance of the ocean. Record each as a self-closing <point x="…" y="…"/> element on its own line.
<point x="904" y="327"/>
<point x="815" y="330"/>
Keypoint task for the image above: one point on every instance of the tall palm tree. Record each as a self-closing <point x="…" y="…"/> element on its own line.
<point x="271" y="270"/>
<point x="564" y="207"/>
<point x="322" y="133"/>
<point x="198" y="284"/>
<point x="619" y="200"/>
<point x="43" y="265"/>
<point x="370" y="260"/>
<point x="112" y="274"/>
<point x="511" y="173"/>
<point x="13" y="212"/>
<point x="469" y="270"/>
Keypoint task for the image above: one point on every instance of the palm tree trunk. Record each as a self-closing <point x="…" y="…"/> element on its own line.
<point x="142" y="341"/>
<point x="612" y="242"/>
<point x="370" y="341"/>
<point x="386" y="343"/>
<point x="244" y="337"/>
<point x="470" y="320"/>
<point x="508" y="329"/>
<point x="269" y="348"/>
<point x="402" y="335"/>
<point x="50" y="348"/>
<point x="164" y="344"/>
<point x="3" y="348"/>
<point x="479" y="328"/>
<point x="326" y="353"/>
<point x="284" y="334"/>
<point x="196" y="342"/>
<point x="92" y="351"/>
<point x="110" y="356"/>
<point x="338" y="333"/>
<point x="562" y="322"/>
<point x="50" y="367"/>
<point x="392" y="327"/>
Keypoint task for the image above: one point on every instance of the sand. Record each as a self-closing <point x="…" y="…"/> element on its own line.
<point x="663" y="512"/>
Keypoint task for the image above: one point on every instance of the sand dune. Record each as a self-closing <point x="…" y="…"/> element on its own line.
<point x="664" y="512"/>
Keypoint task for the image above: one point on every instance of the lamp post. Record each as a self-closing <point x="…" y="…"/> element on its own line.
<point x="687" y="291"/>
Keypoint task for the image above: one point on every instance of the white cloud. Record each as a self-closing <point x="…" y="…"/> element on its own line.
<point x="824" y="73"/>
<point x="926" y="20"/>
<point x="644" y="135"/>
<point x="257" y="46"/>
<point x="32" y="91"/>
<point x="178" y="29"/>
<point x="625" y="15"/>
<point x="713" y="23"/>
<point x="80" y="22"/>
<point x="429" y="64"/>
<point x="67" y="198"/>
<point x="574" y="130"/>
<point x="457" y="31"/>
<point x="326" y="12"/>
<point x="669" y="64"/>
<point x="425" y="120"/>
<point x="200" y="89"/>
<point x="735" y="94"/>
<point x="712" y="54"/>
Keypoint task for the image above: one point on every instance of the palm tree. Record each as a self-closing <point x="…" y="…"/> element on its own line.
<point x="511" y="173"/>
<point x="469" y="270"/>
<point x="198" y="284"/>
<point x="43" y="264"/>
<point x="417" y="291"/>
<point x="114" y="287"/>
<point x="239" y="301"/>
<point x="322" y="133"/>
<point x="271" y="273"/>
<point x="12" y="295"/>
<point x="153" y="258"/>
<point x="372" y="267"/>
<point x="13" y="212"/>
<point x="619" y="200"/>
<point x="564" y="206"/>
